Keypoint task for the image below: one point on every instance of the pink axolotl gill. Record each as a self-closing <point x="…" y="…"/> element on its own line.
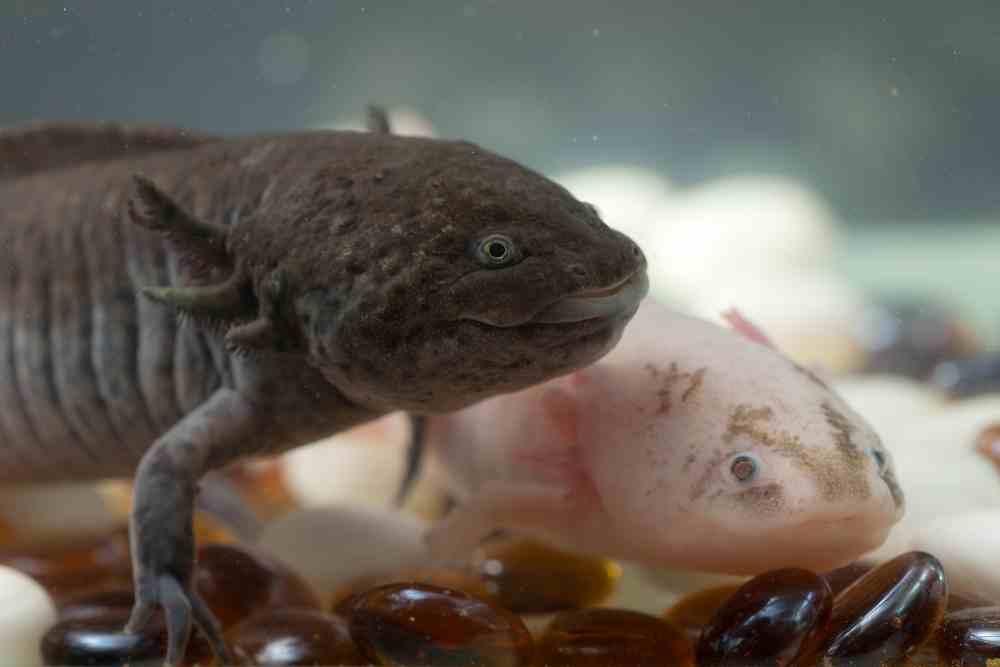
<point x="689" y="445"/>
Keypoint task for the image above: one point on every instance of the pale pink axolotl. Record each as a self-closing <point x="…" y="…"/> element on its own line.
<point x="689" y="445"/>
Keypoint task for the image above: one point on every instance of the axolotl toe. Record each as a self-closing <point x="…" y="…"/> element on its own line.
<point x="689" y="445"/>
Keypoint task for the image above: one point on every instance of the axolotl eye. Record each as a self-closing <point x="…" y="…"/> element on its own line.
<point x="744" y="468"/>
<point x="879" y="456"/>
<point x="495" y="250"/>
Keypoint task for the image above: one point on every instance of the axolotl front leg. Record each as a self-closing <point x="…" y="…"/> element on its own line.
<point x="161" y="534"/>
<point x="272" y="402"/>
<point x="548" y="486"/>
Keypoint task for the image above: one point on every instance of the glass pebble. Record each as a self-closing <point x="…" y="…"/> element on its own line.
<point x="461" y="579"/>
<point x="65" y="570"/>
<point x="965" y="378"/>
<point x="601" y="636"/>
<point x="770" y="620"/>
<point x="263" y="485"/>
<point x="843" y="577"/>
<point x="237" y="582"/>
<point x="96" y="603"/>
<point x="884" y="616"/>
<point x="970" y="637"/>
<point x="694" y="611"/>
<point x="419" y="624"/>
<point x="294" y="637"/>
<point x="528" y="577"/>
<point x="98" y="639"/>
<point x="911" y="337"/>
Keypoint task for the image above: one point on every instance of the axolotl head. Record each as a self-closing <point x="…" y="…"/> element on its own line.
<point x="739" y="467"/>
<point x="426" y="275"/>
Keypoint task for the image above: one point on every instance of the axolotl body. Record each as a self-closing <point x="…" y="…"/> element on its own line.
<point x="689" y="445"/>
<point x="325" y="279"/>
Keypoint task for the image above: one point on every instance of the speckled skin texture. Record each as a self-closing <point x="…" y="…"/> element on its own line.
<point x="689" y="445"/>
<point x="326" y="278"/>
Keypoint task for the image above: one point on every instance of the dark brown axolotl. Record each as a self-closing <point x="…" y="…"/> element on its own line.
<point x="323" y="279"/>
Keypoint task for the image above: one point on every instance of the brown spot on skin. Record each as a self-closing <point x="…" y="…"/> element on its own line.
<point x="744" y="420"/>
<point x="768" y="499"/>
<point x="834" y="479"/>
<point x="842" y="431"/>
<point x="696" y="381"/>
<point x="670" y="379"/>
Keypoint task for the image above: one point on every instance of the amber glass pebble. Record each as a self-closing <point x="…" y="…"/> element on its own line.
<point x="98" y="639"/>
<point x="886" y="614"/>
<point x="454" y="578"/>
<point x="237" y="582"/>
<point x="96" y="603"/>
<point x="843" y="577"/>
<point x="7" y="534"/>
<point x="970" y="637"/>
<point x="770" y="620"/>
<point x="419" y="624"/>
<point x="600" y="637"/>
<point x="694" y="611"/>
<point x="294" y="637"/>
<point x="262" y="484"/>
<point x="528" y="577"/>
<point x="68" y="569"/>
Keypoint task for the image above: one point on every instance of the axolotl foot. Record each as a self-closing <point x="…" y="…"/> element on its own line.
<point x="162" y="544"/>
<point x="181" y="605"/>
<point x="528" y="508"/>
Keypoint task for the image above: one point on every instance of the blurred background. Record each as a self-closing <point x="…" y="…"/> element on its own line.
<point x="859" y="139"/>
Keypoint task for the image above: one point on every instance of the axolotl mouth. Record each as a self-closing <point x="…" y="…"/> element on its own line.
<point x="602" y="303"/>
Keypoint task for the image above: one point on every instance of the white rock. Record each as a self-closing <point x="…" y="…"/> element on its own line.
<point x="729" y="229"/>
<point x="967" y="545"/>
<point x="939" y="469"/>
<point x="330" y="546"/>
<point x="808" y="314"/>
<point x="626" y="196"/>
<point x="26" y="613"/>
<point x="364" y="465"/>
<point x="47" y="513"/>
<point x="888" y="402"/>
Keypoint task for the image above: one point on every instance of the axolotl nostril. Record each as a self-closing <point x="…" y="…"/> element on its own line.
<point x="689" y="445"/>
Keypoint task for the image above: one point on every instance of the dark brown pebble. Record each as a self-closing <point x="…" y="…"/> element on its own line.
<point x="970" y="637"/>
<point x="66" y="570"/>
<point x="236" y="582"/>
<point x="294" y="637"/>
<point x="843" y="577"/>
<point x="419" y="624"/>
<point x="600" y="637"/>
<point x="99" y="640"/>
<point x="771" y="620"/>
<point x="462" y="579"/>
<point x="694" y="611"/>
<point x="886" y="615"/>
